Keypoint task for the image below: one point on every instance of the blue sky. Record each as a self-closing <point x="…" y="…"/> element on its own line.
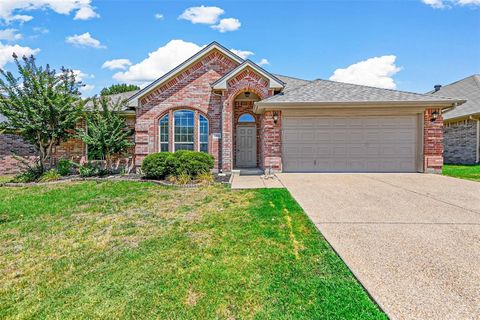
<point x="407" y="45"/>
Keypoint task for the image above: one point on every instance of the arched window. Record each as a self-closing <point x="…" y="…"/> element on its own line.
<point x="203" y="134"/>
<point x="183" y="130"/>
<point x="246" y="117"/>
<point x="163" y="123"/>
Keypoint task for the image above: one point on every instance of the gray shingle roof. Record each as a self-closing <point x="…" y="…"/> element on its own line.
<point x="124" y="96"/>
<point x="291" y="83"/>
<point x="469" y="89"/>
<point x="326" y="91"/>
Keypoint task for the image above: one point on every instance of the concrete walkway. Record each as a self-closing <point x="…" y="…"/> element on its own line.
<point x="413" y="240"/>
<point x="255" y="182"/>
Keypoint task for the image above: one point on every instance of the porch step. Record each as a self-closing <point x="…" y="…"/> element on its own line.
<point x="247" y="172"/>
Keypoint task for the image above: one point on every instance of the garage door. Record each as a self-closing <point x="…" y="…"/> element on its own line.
<point x="350" y="144"/>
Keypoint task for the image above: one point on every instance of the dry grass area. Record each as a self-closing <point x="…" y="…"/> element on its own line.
<point x="136" y="250"/>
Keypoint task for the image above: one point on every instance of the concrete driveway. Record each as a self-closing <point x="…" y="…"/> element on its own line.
<point x="413" y="240"/>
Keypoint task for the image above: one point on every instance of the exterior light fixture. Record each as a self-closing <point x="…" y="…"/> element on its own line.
<point x="247" y="94"/>
<point x="434" y="116"/>
<point x="275" y="117"/>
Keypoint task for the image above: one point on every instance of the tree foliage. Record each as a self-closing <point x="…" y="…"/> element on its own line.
<point x="106" y="133"/>
<point x="43" y="106"/>
<point x="118" y="88"/>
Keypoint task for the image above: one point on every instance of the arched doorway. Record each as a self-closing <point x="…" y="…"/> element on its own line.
<point x="246" y="127"/>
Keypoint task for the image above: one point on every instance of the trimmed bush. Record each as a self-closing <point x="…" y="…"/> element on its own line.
<point x="194" y="163"/>
<point x="50" y="175"/>
<point x="64" y="167"/>
<point x="164" y="164"/>
<point x="155" y="165"/>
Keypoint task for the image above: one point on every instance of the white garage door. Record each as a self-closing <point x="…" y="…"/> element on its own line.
<point x="350" y="144"/>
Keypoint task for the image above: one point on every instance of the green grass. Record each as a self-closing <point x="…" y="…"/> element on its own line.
<point x="141" y="251"/>
<point x="4" y="179"/>
<point x="465" y="172"/>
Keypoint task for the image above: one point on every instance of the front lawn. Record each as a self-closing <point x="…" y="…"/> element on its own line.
<point x="135" y="250"/>
<point x="465" y="172"/>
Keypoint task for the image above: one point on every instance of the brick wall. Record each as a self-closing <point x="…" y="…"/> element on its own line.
<point x="271" y="141"/>
<point x="191" y="89"/>
<point x="433" y="142"/>
<point x="10" y="145"/>
<point x="460" y="142"/>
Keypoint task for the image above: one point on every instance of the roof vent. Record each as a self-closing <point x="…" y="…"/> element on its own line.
<point x="437" y="87"/>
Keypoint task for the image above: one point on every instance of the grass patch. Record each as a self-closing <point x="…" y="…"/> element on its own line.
<point x="135" y="250"/>
<point x="4" y="179"/>
<point x="470" y="172"/>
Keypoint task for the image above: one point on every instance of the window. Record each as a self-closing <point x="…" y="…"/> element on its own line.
<point x="246" y="117"/>
<point x="183" y="130"/>
<point x="164" y="133"/>
<point x="203" y="133"/>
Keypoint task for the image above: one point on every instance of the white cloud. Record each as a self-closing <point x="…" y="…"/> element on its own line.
<point x="87" y="87"/>
<point x="158" y="62"/>
<point x="439" y="4"/>
<point x="10" y="35"/>
<point x="116" y="64"/>
<point x="81" y="76"/>
<point x="86" y="13"/>
<point x="158" y="16"/>
<point x="6" y="52"/>
<point x="84" y="40"/>
<point x="244" y="54"/>
<point x="228" y="24"/>
<point x="10" y="9"/>
<point x="202" y="14"/>
<point x="41" y="30"/>
<point x="376" y="72"/>
<point x="264" y="62"/>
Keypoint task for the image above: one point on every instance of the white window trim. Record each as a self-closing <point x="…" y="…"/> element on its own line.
<point x="160" y="133"/>
<point x="173" y="127"/>
<point x="208" y="133"/>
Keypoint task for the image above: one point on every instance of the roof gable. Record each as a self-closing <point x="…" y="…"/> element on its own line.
<point x="273" y="81"/>
<point x="184" y="65"/>
<point x="469" y="89"/>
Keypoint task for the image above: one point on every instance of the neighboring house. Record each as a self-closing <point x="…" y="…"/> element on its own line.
<point x="247" y="117"/>
<point x="462" y="124"/>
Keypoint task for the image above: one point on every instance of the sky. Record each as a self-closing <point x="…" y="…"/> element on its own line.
<point x="406" y="45"/>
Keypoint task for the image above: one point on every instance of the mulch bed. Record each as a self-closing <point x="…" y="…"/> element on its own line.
<point x="129" y="177"/>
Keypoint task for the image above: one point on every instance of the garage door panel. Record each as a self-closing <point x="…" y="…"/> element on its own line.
<point x="353" y="144"/>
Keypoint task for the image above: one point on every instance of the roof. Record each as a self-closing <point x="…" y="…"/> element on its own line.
<point x="332" y="92"/>
<point x="469" y="89"/>
<point x="274" y="82"/>
<point x="214" y="45"/>
<point x="124" y="96"/>
<point x="291" y="82"/>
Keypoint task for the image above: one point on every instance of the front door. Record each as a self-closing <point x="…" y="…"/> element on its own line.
<point x="246" y="146"/>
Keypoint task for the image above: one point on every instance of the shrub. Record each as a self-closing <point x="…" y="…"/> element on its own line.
<point x="205" y="177"/>
<point x="194" y="163"/>
<point x="50" y="175"/>
<point x="164" y="164"/>
<point x="64" y="167"/>
<point x="31" y="174"/>
<point x="182" y="178"/>
<point x="154" y="166"/>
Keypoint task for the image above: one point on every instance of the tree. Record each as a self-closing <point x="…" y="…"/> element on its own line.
<point x="106" y="134"/>
<point x="43" y="106"/>
<point x="118" y="88"/>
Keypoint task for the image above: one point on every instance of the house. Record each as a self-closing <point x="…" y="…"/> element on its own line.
<point x="247" y="117"/>
<point x="462" y="124"/>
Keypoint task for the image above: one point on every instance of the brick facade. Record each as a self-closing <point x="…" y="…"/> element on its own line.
<point x="271" y="141"/>
<point x="460" y="142"/>
<point x="13" y="145"/>
<point x="432" y="142"/>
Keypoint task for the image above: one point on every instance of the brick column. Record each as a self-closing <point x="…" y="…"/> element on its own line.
<point x="432" y="142"/>
<point x="271" y="140"/>
<point x="227" y="136"/>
